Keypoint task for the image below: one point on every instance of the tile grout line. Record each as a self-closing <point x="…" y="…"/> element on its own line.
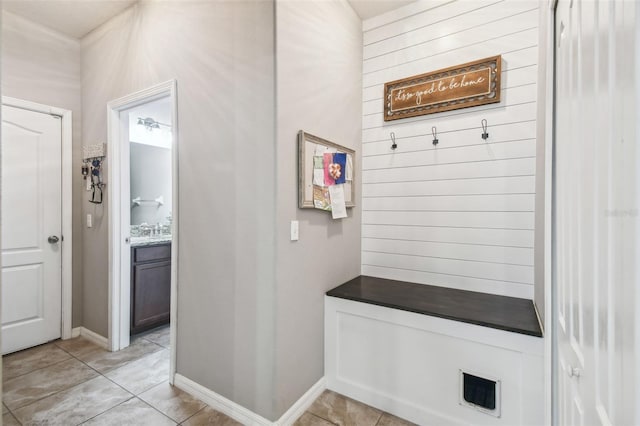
<point x="77" y="384"/>
<point x="115" y="368"/>
<point x="99" y="373"/>
<point x="133" y="395"/>
<point x="124" y="402"/>
<point x="167" y="382"/>
<point x="321" y="418"/>
<point x="117" y="384"/>
<point x="14" y="416"/>
<point x="194" y="414"/>
<point x="52" y="394"/>
<point x="153" y="343"/>
<point x="86" y="364"/>
<point x="124" y="365"/>
<point x="4" y="379"/>
<point x="379" y="416"/>
<point x="76" y="357"/>
<point x="120" y="386"/>
<point x="48" y="396"/>
<point x="101" y="413"/>
<point x="154" y="408"/>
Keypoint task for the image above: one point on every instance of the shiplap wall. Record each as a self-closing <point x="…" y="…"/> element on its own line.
<point x="461" y="214"/>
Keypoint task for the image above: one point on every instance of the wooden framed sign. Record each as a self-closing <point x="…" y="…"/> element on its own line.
<point x="471" y="84"/>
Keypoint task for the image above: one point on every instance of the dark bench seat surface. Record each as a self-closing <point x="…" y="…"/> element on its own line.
<point x="501" y="312"/>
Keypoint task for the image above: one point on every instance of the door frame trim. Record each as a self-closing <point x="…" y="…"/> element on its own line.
<point x="67" y="206"/>
<point x="550" y="356"/>
<point x="119" y="296"/>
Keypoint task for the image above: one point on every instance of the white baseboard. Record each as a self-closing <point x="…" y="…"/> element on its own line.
<point x="301" y="405"/>
<point x="219" y="402"/>
<point x="243" y="415"/>
<point x="99" y="340"/>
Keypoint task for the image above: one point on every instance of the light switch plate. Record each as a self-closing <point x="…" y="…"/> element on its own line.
<point x="89" y="220"/>
<point x="294" y="230"/>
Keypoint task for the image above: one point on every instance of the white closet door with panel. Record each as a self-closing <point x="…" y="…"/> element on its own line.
<point x="596" y="213"/>
<point x="31" y="228"/>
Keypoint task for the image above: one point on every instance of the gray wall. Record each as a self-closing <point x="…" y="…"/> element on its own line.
<point x="319" y="68"/>
<point x="221" y="54"/>
<point x="41" y="65"/>
<point x="150" y="178"/>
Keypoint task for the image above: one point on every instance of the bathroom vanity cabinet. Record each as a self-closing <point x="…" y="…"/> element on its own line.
<point x="150" y="286"/>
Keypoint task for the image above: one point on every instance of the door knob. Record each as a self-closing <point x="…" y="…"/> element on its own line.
<point x="573" y="371"/>
<point x="53" y="239"/>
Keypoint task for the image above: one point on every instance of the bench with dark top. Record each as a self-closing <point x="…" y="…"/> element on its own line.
<point x="488" y="310"/>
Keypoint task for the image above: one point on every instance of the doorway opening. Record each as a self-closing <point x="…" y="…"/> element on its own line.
<point x="143" y="211"/>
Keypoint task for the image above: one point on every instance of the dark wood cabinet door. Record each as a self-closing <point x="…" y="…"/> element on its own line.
<point x="150" y="295"/>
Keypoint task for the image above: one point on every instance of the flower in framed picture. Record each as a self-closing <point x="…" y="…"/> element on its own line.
<point x="339" y="167"/>
<point x="335" y="171"/>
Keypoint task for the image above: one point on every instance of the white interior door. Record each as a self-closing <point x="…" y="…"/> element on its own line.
<point x="569" y="195"/>
<point x="31" y="228"/>
<point x="595" y="228"/>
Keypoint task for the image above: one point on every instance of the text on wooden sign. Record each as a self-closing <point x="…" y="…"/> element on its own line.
<point x="471" y="84"/>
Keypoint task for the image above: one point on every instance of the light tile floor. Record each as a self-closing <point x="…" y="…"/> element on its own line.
<point x="334" y="409"/>
<point x="75" y="382"/>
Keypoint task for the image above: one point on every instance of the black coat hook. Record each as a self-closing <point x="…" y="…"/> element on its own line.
<point x="485" y="135"/>
<point x="434" y="132"/>
<point x="394" y="145"/>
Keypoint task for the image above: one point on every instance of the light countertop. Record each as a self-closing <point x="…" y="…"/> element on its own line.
<point x="148" y="241"/>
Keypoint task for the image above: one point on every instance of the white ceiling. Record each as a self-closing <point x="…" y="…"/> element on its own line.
<point x="369" y="8"/>
<point x="76" y="18"/>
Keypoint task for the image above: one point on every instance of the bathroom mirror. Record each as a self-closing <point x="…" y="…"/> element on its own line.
<point x="150" y="164"/>
<point x="150" y="184"/>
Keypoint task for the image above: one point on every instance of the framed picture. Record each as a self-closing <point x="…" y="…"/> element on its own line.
<point x="321" y="164"/>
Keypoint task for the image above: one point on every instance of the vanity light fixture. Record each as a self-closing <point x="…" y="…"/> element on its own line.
<point x="150" y="124"/>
